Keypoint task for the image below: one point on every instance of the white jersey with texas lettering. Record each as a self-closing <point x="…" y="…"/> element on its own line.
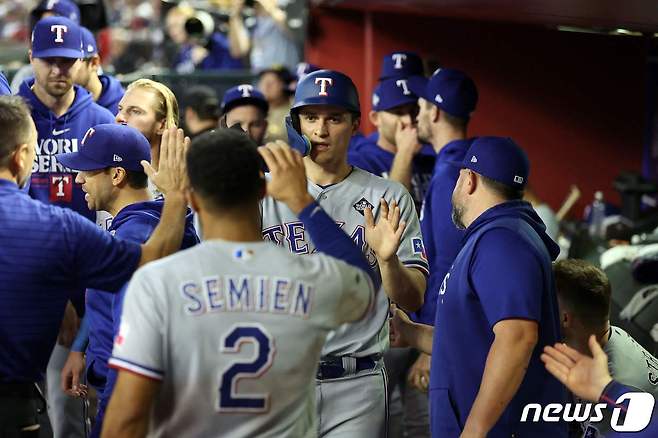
<point x="345" y="202"/>
<point x="234" y="332"/>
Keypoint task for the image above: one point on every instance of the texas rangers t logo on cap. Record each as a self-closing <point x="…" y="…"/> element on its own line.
<point x="398" y="58"/>
<point x="323" y="85"/>
<point x="59" y="30"/>
<point x="246" y="90"/>
<point x="403" y="83"/>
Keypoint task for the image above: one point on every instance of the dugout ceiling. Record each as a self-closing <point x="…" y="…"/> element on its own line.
<point x="635" y="15"/>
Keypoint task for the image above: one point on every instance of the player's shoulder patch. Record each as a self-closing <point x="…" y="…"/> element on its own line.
<point x="362" y="204"/>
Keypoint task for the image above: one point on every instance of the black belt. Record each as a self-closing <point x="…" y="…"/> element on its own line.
<point x="336" y="367"/>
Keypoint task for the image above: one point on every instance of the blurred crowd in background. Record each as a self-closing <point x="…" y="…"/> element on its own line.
<point x="154" y="35"/>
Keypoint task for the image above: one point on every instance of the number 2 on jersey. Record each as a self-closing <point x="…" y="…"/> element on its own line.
<point x="253" y="368"/>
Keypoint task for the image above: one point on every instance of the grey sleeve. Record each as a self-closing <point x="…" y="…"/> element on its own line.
<point x="412" y="249"/>
<point x="345" y="293"/>
<point x="138" y="346"/>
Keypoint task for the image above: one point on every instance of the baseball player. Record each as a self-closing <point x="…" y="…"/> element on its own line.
<point x="105" y="89"/>
<point x="351" y="386"/>
<point x="497" y="307"/>
<point x="151" y="108"/>
<point x="446" y="103"/>
<point x="62" y="113"/>
<point x="245" y="105"/>
<point x="48" y="251"/>
<point x="109" y="170"/>
<point x="395" y="65"/>
<point x="258" y="315"/>
<point x="583" y="293"/>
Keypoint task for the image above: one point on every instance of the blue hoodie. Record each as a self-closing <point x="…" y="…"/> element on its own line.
<point x="503" y="271"/>
<point x="51" y="182"/>
<point x="111" y="94"/>
<point x="4" y="85"/>
<point x="135" y="223"/>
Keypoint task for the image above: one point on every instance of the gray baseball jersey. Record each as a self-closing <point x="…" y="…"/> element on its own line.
<point x="345" y="202"/>
<point x="234" y="332"/>
<point x="630" y="364"/>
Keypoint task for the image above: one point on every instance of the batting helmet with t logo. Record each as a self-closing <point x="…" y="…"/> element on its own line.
<point x="327" y="87"/>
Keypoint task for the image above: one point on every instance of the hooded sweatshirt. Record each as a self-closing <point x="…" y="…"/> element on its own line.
<point x="111" y="94"/>
<point x="51" y="182"/>
<point x="503" y="271"/>
<point x="134" y="222"/>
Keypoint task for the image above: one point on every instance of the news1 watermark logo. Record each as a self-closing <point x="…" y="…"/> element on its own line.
<point x="634" y="417"/>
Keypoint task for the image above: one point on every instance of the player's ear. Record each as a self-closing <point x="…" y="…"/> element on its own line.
<point x="356" y="121"/>
<point x="435" y="112"/>
<point x="472" y="181"/>
<point x="373" y="116"/>
<point x="19" y="160"/>
<point x="161" y="127"/>
<point x="118" y="175"/>
<point x="29" y="55"/>
<point x="96" y="62"/>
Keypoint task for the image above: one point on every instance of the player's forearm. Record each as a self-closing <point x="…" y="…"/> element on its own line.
<point x="168" y="235"/>
<point x="401" y="169"/>
<point x="504" y="371"/>
<point x="278" y="15"/>
<point x="404" y="286"/>
<point x="113" y="428"/>
<point x="420" y="337"/>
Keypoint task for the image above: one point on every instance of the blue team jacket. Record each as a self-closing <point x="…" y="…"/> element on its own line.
<point x="111" y="94"/>
<point x="502" y="271"/>
<point x="51" y="182"/>
<point x="441" y="237"/>
<point x="134" y="223"/>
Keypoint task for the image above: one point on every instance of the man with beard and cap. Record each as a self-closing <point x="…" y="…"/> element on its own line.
<point x="497" y="306"/>
<point x="45" y="8"/>
<point x="105" y="89"/>
<point x="110" y="173"/>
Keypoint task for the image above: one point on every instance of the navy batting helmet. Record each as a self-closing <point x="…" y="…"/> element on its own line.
<point x="327" y="87"/>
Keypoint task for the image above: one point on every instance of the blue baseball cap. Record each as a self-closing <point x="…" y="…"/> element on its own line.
<point x="451" y="90"/>
<point x="243" y="94"/>
<point x="401" y="64"/>
<point x="109" y="145"/>
<point x="498" y="158"/>
<point x="89" y="46"/>
<point x="63" y="8"/>
<point x="56" y="37"/>
<point x="392" y="93"/>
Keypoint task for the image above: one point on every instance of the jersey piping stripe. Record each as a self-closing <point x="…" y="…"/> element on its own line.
<point x="420" y="266"/>
<point x="127" y="365"/>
